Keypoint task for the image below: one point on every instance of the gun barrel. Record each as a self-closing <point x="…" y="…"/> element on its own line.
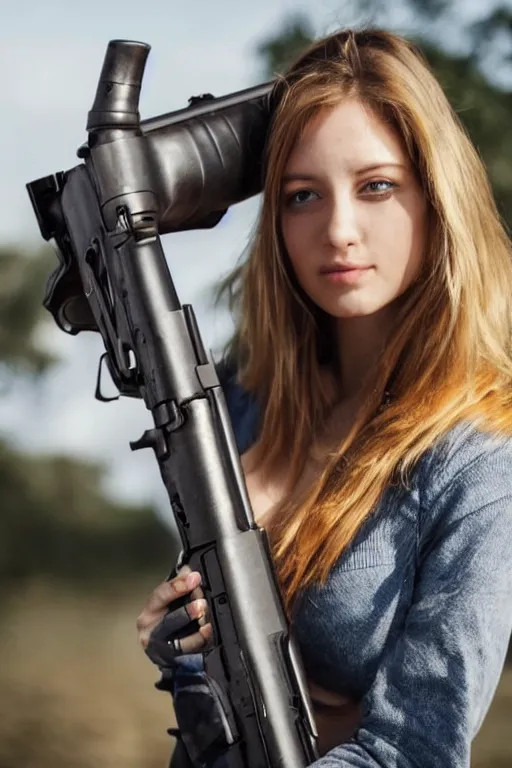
<point x="116" y="104"/>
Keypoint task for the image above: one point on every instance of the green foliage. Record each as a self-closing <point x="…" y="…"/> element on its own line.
<point x="485" y="111"/>
<point x="23" y="277"/>
<point x="485" y="31"/>
<point x="430" y="8"/>
<point x="279" y="51"/>
<point x="56" y="522"/>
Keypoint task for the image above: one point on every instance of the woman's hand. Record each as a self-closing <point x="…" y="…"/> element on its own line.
<point x="161" y="628"/>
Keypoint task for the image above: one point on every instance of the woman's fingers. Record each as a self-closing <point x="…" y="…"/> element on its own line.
<point x="162" y="649"/>
<point x="156" y="624"/>
<point x="168" y="591"/>
<point x="176" y="620"/>
<point x="195" y="643"/>
<point x="162" y="597"/>
<point x="162" y="644"/>
<point x="197" y="593"/>
<point x="162" y="653"/>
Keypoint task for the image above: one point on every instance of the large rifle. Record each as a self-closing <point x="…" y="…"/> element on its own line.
<point x="139" y="180"/>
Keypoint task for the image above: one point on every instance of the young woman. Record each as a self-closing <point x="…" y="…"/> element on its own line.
<point x="371" y="400"/>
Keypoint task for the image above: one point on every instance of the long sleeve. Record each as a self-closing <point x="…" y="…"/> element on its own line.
<point x="440" y="671"/>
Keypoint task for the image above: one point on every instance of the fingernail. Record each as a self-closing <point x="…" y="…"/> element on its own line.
<point x="193" y="580"/>
<point x="202" y="620"/>
<point x="200" y="606"/>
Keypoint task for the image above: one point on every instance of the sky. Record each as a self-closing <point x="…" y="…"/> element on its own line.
<point x="50" y="59"/>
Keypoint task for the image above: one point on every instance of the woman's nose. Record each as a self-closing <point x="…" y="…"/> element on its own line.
<point x="342" y="229"/>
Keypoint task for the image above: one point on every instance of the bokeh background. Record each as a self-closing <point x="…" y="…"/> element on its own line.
<point x="84" y="525"/>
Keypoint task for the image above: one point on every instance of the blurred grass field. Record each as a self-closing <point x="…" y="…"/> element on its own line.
<point x="77" y="692"/>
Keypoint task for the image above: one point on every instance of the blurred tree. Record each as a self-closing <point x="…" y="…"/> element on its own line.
<point x="485" y="111"/>
<point x="22" y="279"/>
<point x="485" y="32"/>
<point x="279" y="51"/>
<point x="56" y="520"/>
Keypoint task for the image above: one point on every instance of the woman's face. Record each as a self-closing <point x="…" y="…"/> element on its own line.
<point x="353" y="214"/>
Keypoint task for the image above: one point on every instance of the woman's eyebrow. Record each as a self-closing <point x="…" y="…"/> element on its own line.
<point x="377" y="166"/>
<point x="299" y="176"/>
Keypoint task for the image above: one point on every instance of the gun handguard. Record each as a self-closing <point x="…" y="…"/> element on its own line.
<point x="139" y="180"/>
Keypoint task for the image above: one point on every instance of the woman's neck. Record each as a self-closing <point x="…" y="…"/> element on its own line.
<point x="360" y="343"/>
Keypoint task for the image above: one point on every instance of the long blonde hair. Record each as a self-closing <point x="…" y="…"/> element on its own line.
<point x="448" y="358"/>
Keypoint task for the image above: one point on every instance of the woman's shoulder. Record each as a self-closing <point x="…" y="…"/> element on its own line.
<point x="467" y="469"/>
<point x="466" y="451"/>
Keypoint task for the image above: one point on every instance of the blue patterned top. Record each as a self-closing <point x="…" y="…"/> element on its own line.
<point x="415" y="619"/>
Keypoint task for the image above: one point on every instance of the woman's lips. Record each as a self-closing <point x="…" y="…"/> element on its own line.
<point x="345" y="276"/>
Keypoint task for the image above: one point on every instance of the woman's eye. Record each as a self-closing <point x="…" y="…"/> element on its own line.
<point x="379" y="187"/>
<point x="300" y="197"/>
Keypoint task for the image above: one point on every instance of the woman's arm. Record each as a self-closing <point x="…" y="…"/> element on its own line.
<point x="439" y="674"/>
